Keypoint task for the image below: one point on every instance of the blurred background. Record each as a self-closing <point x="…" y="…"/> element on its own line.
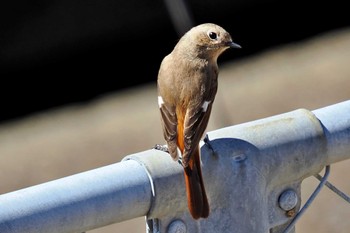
<point x="79" y="82"/>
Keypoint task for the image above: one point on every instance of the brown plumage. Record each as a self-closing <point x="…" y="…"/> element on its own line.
<point x="187" y="85"/>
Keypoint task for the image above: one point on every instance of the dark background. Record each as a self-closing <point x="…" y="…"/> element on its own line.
<point x="58" y="52"/>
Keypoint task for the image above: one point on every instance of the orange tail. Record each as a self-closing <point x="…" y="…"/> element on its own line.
<point x="196" y="196"/>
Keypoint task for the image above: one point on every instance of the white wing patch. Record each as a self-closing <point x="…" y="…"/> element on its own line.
<point x="205" y="105"/>
<point x="160" y="101"/>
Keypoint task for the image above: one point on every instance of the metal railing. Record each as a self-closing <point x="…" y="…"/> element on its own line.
<point x="252" y="173"/>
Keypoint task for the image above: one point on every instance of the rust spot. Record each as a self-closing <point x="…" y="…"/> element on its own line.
<point x="290" y="213"/>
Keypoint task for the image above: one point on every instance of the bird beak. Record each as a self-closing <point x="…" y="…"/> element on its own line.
<point x="232" y="44"/>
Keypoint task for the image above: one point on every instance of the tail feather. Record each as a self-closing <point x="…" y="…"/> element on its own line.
<point x="196" y="196"/>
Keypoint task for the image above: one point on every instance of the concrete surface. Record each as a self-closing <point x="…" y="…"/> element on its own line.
<point x="309" y="74"/>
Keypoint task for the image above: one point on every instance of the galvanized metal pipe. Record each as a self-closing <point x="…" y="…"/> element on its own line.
<point x="78" y="203"/>
<point x="250" y="167"/>
<point x="335" y="121"/>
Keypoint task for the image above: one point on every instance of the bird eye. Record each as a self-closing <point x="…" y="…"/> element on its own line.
<point x="212" y="35"/>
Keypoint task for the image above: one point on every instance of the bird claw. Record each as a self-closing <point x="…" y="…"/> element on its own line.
<point x="161" y="148"/>
<point x="207" y="142"/>
<point x="180" y="161"/>
<point x="164" y="148"/>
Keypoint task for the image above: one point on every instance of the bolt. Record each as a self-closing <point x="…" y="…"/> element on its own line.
<point x="288" y="200"/>
<point x="177" y="226"/>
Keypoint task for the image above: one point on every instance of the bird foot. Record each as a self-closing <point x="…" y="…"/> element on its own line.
<point x="164" y="148"/>
<point x="179" y="160"/>
<point x="207" y="143"/>
<point x="161" y="148"/>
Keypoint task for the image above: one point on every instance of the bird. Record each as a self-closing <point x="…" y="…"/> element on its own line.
<point x="187" y="83"/>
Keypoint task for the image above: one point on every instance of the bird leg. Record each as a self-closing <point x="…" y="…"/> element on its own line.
<point x="207" y="143"/>
<point x="180" y="161"/>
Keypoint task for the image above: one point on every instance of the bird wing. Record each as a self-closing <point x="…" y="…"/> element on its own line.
<point x="196" y="122"/>
<point x="169" y="124"/>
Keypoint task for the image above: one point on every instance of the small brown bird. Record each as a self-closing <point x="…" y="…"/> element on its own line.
<point x="187" y="85"/>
